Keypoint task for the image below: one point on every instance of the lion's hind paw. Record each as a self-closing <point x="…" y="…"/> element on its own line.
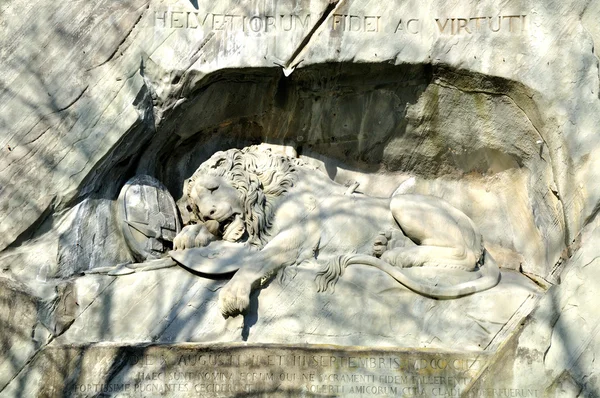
<point x="380" y="244"/>
<point x="388" y="240"/>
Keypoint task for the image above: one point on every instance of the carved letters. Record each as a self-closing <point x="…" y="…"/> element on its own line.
<point x="356" y="23"/>
<point x="346" y="23"/>
<point x="185" y="372"/>
<point x="177" y="19"/>
<point x="505" y="23"/>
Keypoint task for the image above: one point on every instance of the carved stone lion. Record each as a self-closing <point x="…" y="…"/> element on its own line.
<point x="293" y="213"/>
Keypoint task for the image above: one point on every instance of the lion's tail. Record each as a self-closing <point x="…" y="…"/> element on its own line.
<point x="489" y="276"/>
<point x="335" y="268"/>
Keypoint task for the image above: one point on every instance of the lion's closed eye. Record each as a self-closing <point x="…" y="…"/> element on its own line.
<point x="210" y="183"/>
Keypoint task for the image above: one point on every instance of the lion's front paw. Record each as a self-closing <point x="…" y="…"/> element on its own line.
<point x="234" y="298"/>
<point x="193" y="236"/>
<point x="186" y="238"/>
<point x="203" y="238"/>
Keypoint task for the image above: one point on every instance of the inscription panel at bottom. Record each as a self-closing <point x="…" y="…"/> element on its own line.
<point x="224" y="371"/>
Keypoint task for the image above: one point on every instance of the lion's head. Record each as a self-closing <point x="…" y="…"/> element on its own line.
<point x="236" y="189"/>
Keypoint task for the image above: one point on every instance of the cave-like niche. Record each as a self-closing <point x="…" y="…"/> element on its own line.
<point x="375" y="129"/>
<point x="458" y="135"/>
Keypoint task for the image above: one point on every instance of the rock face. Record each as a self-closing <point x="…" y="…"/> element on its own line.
<point x="558" y="342"/>
<point x="491" y="107"/>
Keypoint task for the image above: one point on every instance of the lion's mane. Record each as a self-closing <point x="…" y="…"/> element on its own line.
<point x="260" y="176"/>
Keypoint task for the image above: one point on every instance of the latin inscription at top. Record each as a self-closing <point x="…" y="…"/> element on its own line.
<point x="343" y="23"/>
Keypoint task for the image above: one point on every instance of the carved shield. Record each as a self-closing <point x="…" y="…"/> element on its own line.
<point x="148" y="217"/>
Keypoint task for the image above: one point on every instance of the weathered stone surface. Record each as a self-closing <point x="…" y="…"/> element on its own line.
<point x="559" y="343"/>
<point x="173" y="305"/>
<point x="19" y="320"/>
<point x="32" y="263"/>
<point x="184" y="370"/>
<point x="21" y="329"/>
<point x="493" y="107"/>
<point x="142" y="40"/>
<point x="90" y="238"/>
<point x="60" y="120"/>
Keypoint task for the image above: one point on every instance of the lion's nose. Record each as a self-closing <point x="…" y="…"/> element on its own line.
<point x="208" y="212"/>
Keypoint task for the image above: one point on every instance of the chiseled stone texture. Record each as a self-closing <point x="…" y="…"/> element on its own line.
<point x="28" y="323"/>
<point x="90" y="238"/>
<point x="368" y="308"/>
<point x="18" y="320"/>
<point x="88" y="87"/>
<point x="257" y="370"/>
<point x="555" y="352"/>
<point x="502" y="124"/>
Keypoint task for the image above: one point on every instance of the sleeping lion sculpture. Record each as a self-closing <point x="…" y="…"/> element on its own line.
<point x="291" y="213"/>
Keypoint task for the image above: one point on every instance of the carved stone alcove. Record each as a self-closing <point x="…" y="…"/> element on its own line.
<point x="353" y="125"/>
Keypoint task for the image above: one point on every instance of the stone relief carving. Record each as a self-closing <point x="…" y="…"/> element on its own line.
<point x="284" y="212"/>
<point x="253" y="212"/>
